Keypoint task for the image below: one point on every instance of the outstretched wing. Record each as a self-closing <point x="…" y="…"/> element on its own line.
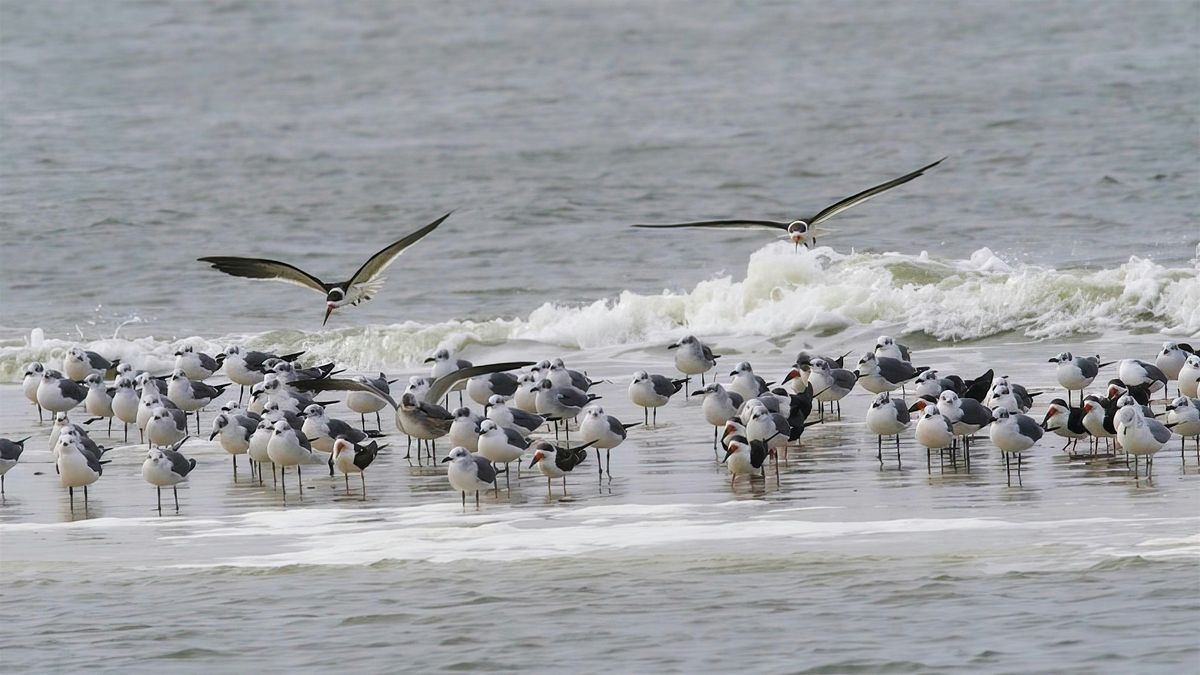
<point x="337" y="384"/>
<point x="379" y="262"/>
<point x="442" y="385"/>
<point x="272" y="270"/>
<point x="854" y="200"/>
<point x="727" y="224"/>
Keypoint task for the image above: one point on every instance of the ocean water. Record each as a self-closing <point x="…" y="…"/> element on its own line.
<point x="138" y="136"/>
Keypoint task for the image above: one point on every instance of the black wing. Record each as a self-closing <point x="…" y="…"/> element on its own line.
<point x="442" y="385"/>
<point x="726" y="224"/>
<point x="856" y="199"/>
<point x="261" y="268"/>
<point x="379" y="262"/>
<point x="365" y="454"/>
<point x="337" y="384"/>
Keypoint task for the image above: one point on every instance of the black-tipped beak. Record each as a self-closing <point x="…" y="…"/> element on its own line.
<point x="328" y="310"/>
<point x="445" y="459"/>
<point x="673" y="346"/>
<point x="429" y="360"/>
<point x="213" y="435"/>
<point x="1052" y="361"/>
<point x="697" y="393"/>
<point x="733" y="374"/>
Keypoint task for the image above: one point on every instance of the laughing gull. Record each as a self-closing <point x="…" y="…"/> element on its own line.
<point x="468" y="473"/>
<point x="768" y="427"/>
<point x="125" y="403"/>
<point x="719" y="406"/>
<point x="30" y="382"/>
<point x="966" y="415"/>
<point x="56" y="393"/>
<point x="77" y="467"/>
<point x="445" y="363"/>
<point x="651" y="392"/>
<point x="693" y="357"/>
<point x="1076" y="373"/>
<point x="745" y="458"/>
<point x="351" y="457"/>
<point x="1065" y="421"/>
<point x="321" y="429"/>
<point x="878" y="374"/>
<point x="803" y="231"/>
<point x="1013" y="434"/>
<point x="61" y="425"/>
<point x="1140" y="436"/>
<point x="149" y="401"/>
<point x="929" y="383"/>
<point x="501" y="445"/>
<point x="564" y="403"/>
<point x="365" y="403"/>
<point x="603" y="431"/>
<point x="10" y="452"/>
<point x="746" y="383"/>
<point x="235" y="432"/>
<point x="166" y="427"/>
<point x="78" y="363"/>
<point x="1135" y="373"/>
<point x="191" y="395"/>
<point x="289" y="447"/>
<point x="556" y="462"/>
<point x="247" y="368"/>
<point x="934" y="432"/>
<point x="886" y="346"/>
<point x="147" y="382"/>
<point x="196" y="365"/>
<point x="99" y="399"/>
<point x="257" y="450"/>
<point x="481" y="389"/>
<point x="830" y="384"/>
<point x="360" y="287"/>
<point x="507" y="416"/>
<point x="887" y="417"/>
<point x="464" y="430"/>
<point x="167" y="467"/>
<point x="562" y="376"/>
<point x="1183" y="414"/>
<point x="1172" y="357"/>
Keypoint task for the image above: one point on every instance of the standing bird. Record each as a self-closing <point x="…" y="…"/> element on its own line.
<point x="289" y="447"/>
<point x="196" y="365"/>
<point x="693" y="357"/>
<point x="483" y="388"/>
<point x="30" y="382"/>
<point x="1140" y="436"/>
<point x="605" y="432"/>
<point x="77" y="467"/>
<point x="746" y="383"/>
<point x="507" y="416"/>
<point x="934" y="432"/>
<point x="966" y="415"/>
<point x="1076" y="373"/>
<point x="125" y="403"/>
<point x="99" y="401"/>
<point x="235" y="432"/>
<point x="804" y="231"/>
<point x="878" y="374"/>
<point x="445" y="363"/>
<point x="365" y="403"/>
<point x="191" y="395"/>
<point x="79" y="363"/>
<point x="745" y="458"/>
<point x="887" y="417"/>
<point x="1183" y="414"/>
<point x="501" y="445"/>
<point x="1172" y="357"/>
<point x="556" y="462"/>
<point x="1013" y="434"/>
<point x="719" y="406"/>
<point x="887" y="347"/>
<point x="58" y="394"/>
<point x="360" y="287"/>
<point x="564" y="403"/>
<point x="247" y="368"/>
<point x="830" y="384"/>
<point x="1065" y="421"/>
<point x="469" y="473"/>
<point x="167" y="467"/>
<point x="464" y="430"/>
<point x="651" y="392"/>
<point x="1136" y="373"/>
<point x="10" y="452"/>
<point x="166" y="427"/>
<point x="1189" y="377"/>
<point x="351" y="457"/>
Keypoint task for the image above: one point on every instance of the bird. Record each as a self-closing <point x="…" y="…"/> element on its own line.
<point x="718" y="407"/>
<point x="605" y="432"/>
<point x="562" y="376"/>
<point x="445" y="363"/>
<point x="769" y="427"/>
<point x="744" y="457"/>
<point x="464" y="430"/>
<point x="1183" y="414"/>
<point x="166" y="427"/>
<point x="1013" y="434"/>
<point x="257" y="448"/>
<point x="525" y="397"/>
<point x="1171" y="358"/>
<point x="167" y="467"/>
<point x="365" y="403"/>
<point x="934" y="432"/>
<point x="481" y="389"/>
<point x="746" y="383"/>
<point x="468" y="473"/>
<point x="564" y="403"/>
<point x="196" y="365"/>
<point x="965" y="415"/>
<point x="1139" y="435"/>
<point x="501" y="445"/>
<point x="693" y="357"/>
<point x="78" y="363"/>
<point x="288" y="447"/>
<point x="1076" y="373"/>
<point x="878" y="374"/>
<point x="360" y="287"/>
<point x="77" y="466"/>
<point x="10" y="452"/>
<point x="1065" y="421"/>
<point x="246" y="367"/>
<point x="556" y="461"/>
<point x="1189" y="377"/>
<point x="125" y="402"/>
<point x="886" y="346"/>
<point x="350" y="457"/>
<point x="929" y="383"/>
<point x="508" y="416"/>
<point x="56" y="393"/>
<point x="887" y="417"/>
<point x="830" y="384"/>
<point x="29" y="384"/>
<point x="803" y="231"/>
<point x="1097" y="418"/>
<point x="321" y="429"/>
<point x="235" y="432"/>
<point x="1134" y="373"/>
<point x="651" y="392"/>
<point x="191" y="395"/>
<point x="99" y="399"/>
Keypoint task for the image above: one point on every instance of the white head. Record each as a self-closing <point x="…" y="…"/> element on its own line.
<point x="281" y="427"/>
<point x="594" y="411"/>
<point x="497" y="401"/>
<point x="949" y="398"/>
<point x="487" y="426"/>
<point x="34" y="369"/>
<point x="457" y="454"/>
<point x="315" y="411"/>
<point x="94" y="381"/>
<point x="640" y="376"/>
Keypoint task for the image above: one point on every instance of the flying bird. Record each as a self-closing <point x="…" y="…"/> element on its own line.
<point x="803" y="230"/>
<point x="361" y="286"/>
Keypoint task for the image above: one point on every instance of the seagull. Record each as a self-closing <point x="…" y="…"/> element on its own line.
<point x="1172" y="357"/>
<point x="1076" y="373"/>
<point x="235" y="432"/>
<point x="506" y="416"/>
<point x="149" y="401"/>
<point x="966" y="415"/>
<point x="1134" y="373"/>
<point x="1013" y="434"/>
<point x="196" y="365"/>
<point x="167" y="467"/>
<point x="10" y="452"/>
<point x="693" y="358"/>
<point x="247" y="368"/>
<point x="556" y="462"/>
<point x="878" y="374"/>
<point x="1140" y="435"/>
<point x="257" y="450"/>
<point x="929" y="383"/>
<point x="362" y="285"/>
<point x="830" y="384"/>
<point x="887" y="417"/>
<point x="77" y="467"/>
<point x="30" y="382"/>
<point x="445" y="363"/>
<point x="746" y="383"/>
<point x="125" y="403"/>
<point x="481" y="389"/>
<point x="464" y="430"/>
<point x="934" y="432"/>
<point x="322" y="429"/>
<point x="719" y="406"/>
<point x="766" y="426"/>
<point x="804" y="230"/>
<point x="501" y="445"/>
<point x="886" y="346"/>
<point x="652" y="392"/>
<point x="525" y="397"/>
<point x="58" y="394"/>
<point x="364" y="402"/>
<point x="191" y="395"/>
<point x="350" y="457"/>
<point x="1189" y="377"/>
<point x="79" y="363"/>
<point x="562" y="376"/>
<point x="99" y="399"/>
<point x="605" y="432"/>
<point x="1183" y="414"/>
<point x="564" y="403"/>
<point x="167" y="426"/>
<point x="469" y="473"/>
<point x="288" y="447"/>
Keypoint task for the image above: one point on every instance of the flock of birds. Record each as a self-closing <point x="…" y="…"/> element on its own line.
<point x="522" y="403"/>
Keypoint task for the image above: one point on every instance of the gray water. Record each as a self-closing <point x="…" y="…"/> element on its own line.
<point x="138" y="136"/>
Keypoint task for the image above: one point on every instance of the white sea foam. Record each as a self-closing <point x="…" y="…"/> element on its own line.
<point x="783" y="293"/>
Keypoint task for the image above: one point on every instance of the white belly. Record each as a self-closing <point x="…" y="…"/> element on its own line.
<point x="498" y="451"/>
<point x="363" y="403"/>
<point x="73" y="470"/>
<point x="156" y="475"/>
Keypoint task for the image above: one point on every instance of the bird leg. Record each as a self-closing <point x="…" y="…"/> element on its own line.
<point x="159" y="490"/>
<point x="300" y="481"/>
<point x="175" y="489"/>
<point x="363" y="476"/>
<point x="235" y="468"/>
